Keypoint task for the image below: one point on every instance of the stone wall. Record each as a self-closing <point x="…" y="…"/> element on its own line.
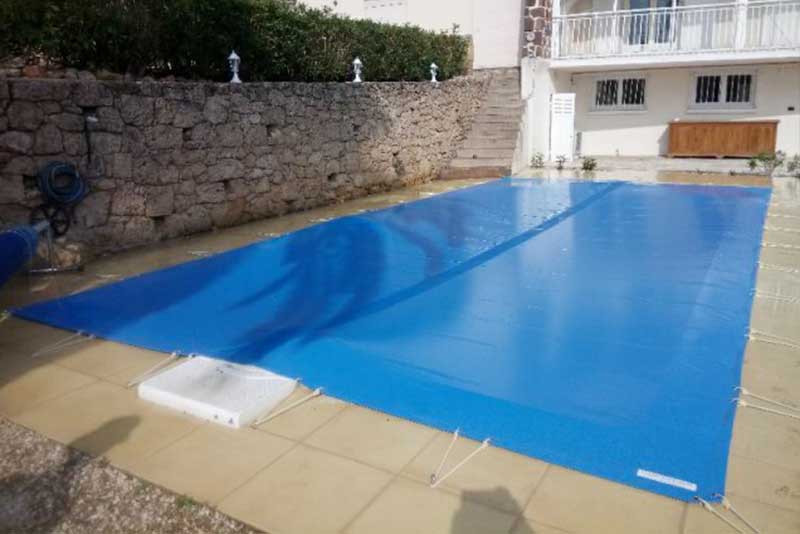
<point x="170" y="159"/>
<point x="538" y="28"/>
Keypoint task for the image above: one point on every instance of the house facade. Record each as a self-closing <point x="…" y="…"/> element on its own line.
<point x="627" y="70"/>
<point x="614" y="77"/>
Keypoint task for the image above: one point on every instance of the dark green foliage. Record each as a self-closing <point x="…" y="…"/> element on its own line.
<point x="192" y="39"/>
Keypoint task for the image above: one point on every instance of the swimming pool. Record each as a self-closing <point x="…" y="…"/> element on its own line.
<point x="596" y="325"/>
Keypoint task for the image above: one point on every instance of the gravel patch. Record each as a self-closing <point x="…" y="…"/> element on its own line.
<point x="46" y="487"/>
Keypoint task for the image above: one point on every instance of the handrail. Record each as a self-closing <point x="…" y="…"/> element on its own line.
<point x="696" y="7"/>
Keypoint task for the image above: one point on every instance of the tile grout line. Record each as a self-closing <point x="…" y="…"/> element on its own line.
<point x="521" y="516"/>
<point x="386" y="486"/>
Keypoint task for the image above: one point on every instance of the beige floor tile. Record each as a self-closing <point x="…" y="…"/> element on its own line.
<point x="26" y="337"/>
<point x="768" y="519"/>
<point x="408" y="506"/>
<point x="766" y="437"/>
<point x="307" y="491"/>
<point x="106" y="420"/>
<point x="25" y="383"/>
<point x="300" y="421"/>
<point x="211" y="461"/>
<point x="526" y="526"/>
<point x="763" y="482"/>
<point x="582" y="503"/>
<point x="105" y="358"/>
<point x="372" y="437"/>
<point x="489" y="469"/>
<point x="141" y="361"/>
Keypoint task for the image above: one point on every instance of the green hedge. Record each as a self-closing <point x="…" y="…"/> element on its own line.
<point x="192" y="38"/>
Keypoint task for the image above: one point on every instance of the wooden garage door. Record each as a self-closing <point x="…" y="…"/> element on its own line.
<point x="736" y="139"/>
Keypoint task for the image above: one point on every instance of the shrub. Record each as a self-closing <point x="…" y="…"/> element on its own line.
<point x="794" y="166"/>
<point x="560" y="161"/>
<point x="537" y="161"/>
<point x="767" y="162"/>
<point x="588" y="164"/>
<point x="192" y="39"/>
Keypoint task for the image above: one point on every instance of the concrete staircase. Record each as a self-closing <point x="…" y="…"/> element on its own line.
<point x="488" y="149"/>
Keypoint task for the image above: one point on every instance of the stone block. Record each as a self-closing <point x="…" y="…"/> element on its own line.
<point x="24" y="115"/>
<point x="137" y="110"/>
<point x="159" y="201"/>
<point x="48" y="140"/>
<point x="216" y="110"/>
<point x="89" y="94"/>
<point x="19" y="142"/>
<point x="128" y="201"/>
<point x="38" y="90"/>
<point x="211" y="193"/>
<point x="12" y="190"/>
<point x="94" y="210"/>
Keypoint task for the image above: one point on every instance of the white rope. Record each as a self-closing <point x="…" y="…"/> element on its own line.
<point x="5" y="316"/>
<point x="776" y="267"/>
<point x="461" y="463"/>
<point x="763" y="337"/>
<point x="199" y="253"/>
<point x="435" y="474"/>
<point x="781" y="246"/>
<point x="767" y="400"/>
<point x="775" y="296"/>
<point x="69" y="341"/>
<point x="728" y="505"/>
<point x="782" y="229"/>
<point x="711" y="509"/>
<point x="783" y="215"/>
<point x="138" y="379"/>
<point x="316" y="393"/>
<point x="744" y="404"/>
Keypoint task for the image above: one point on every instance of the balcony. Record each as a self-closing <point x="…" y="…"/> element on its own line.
<point x="680" y="35"/>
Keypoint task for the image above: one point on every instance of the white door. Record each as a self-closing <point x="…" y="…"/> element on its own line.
<point x="562" y="125"/>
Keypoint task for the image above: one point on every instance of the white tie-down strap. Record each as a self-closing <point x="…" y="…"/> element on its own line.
<point x="437" y="478"/>
<point x="780" y="246"/>
<point x="73" y="339"/>
<point x="782" y="229"/>
<point x="270" y="416"/>
<point x="772" y="339"/>
<point x="780" y="268"/>
<point x="788" y="410"/>
<point x="777" y="297"/>
<point x="746" y="528"/>
<point x="160" y="366"/>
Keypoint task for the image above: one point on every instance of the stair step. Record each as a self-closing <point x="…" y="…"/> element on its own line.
<point x="492" y="132"/>
<point x="473" y="173"/>
<point x="480" y="162"/>
<point x="485" y="153"/>
<point x="490" y="142"/>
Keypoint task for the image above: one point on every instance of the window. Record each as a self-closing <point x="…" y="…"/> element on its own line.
<point x="619" y="93"/>
<point x="734" y="90"/>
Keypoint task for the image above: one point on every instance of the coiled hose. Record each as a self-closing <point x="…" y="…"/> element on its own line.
<point x="62" y="187"/>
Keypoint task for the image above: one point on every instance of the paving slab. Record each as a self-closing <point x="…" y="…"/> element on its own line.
<point x="306" y="491"/>
<point x="409" y="506"/>
<point x="372" y="437"/>
<point x="211" y="461"/>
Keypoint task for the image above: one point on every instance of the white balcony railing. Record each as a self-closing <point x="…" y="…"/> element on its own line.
<point x="761" y="25"/>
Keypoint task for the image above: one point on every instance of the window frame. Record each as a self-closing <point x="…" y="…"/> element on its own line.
<point x="620" y="78"/>
<point x="722" y="106"/>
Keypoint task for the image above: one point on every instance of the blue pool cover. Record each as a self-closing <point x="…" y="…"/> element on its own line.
<point x="599" y="326"/>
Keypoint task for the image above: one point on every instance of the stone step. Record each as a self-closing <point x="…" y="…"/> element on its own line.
<point x="485" y="153"/>
<point x="480" y="162"/>
<point x="492" y="131"/>
<point x="490" y="142"/>
<point x="494" y="115"/>
<point x="512" y="108"/>
<point x="474" y="173"/>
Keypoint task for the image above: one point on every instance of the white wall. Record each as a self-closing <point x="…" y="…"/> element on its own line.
<point x="644" y="133"/>
<point x="495" y="25"/>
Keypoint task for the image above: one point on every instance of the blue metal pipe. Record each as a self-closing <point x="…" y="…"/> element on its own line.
<point x="17" y="247"/>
